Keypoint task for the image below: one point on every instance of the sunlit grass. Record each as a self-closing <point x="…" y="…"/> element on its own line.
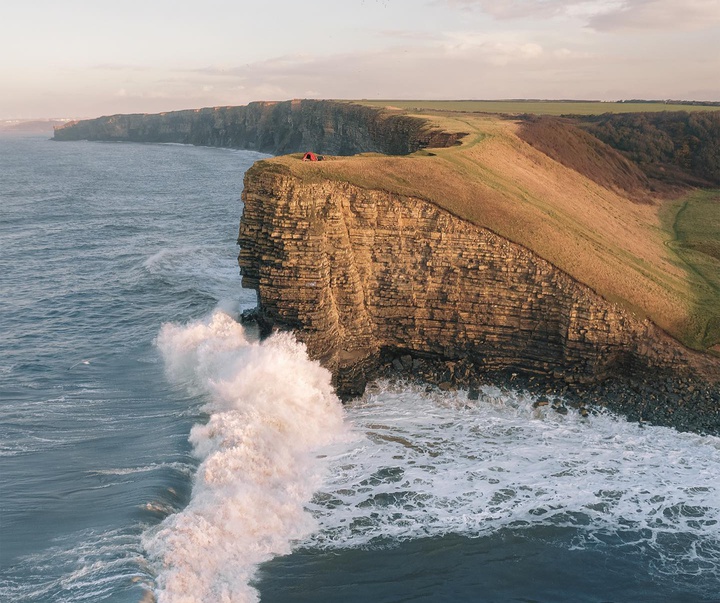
<point x="622" y="249"/>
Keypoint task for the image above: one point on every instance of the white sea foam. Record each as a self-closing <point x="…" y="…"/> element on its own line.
<point x="410" y="465"/>
<point x="95" y="565"/>
<point x="270" y="409"/>
<point x="431" y="464"/>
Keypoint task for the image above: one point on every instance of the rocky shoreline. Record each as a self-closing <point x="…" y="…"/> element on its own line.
<point x="661" y="397"/>
<point x="378" y="285"/>
<point x="681" y="401"/>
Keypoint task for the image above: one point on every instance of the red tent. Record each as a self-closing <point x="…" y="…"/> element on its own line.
<point x="310" y="156"/>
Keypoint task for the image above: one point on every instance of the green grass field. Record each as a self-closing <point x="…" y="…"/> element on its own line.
<point x="536" y="107"/>
<point x="694" y="222"/>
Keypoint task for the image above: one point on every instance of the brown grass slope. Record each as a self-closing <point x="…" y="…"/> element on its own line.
<point x="567" y="144"/>
<point x="576" y="208"/>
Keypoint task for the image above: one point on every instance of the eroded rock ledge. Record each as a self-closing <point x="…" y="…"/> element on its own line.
<point x="364" y="276"/>
<point x="333" y="127"/>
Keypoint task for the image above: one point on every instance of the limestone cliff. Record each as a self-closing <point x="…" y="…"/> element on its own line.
<point x="356" y="272"/>
<point x="500" y="254"/>
<point x="332" y="127"/>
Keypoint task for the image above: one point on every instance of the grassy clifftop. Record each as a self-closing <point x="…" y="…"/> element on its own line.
<point x="575" y="202"/>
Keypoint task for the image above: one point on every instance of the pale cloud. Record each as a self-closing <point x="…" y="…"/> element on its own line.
<point x="660" y="14"/>
<point x="406" y="34"/>
<point x="494" y="50"/>
<point x="512" y="63"/>
<point x="272" y="91"/>
<point x="510" y="69"/>
<point x="119" y="67"/>
<point x="64" y="60"/>
<point x="476" y="67"/>
<point x="607" y="15"/>
<point x="457" y="65"/>
<point x="538" y="9"/>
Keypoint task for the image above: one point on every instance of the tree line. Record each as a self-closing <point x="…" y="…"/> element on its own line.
<point x="670" y="145"/>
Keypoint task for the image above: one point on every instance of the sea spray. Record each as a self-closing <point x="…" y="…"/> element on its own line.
<point x="271" y="409"/>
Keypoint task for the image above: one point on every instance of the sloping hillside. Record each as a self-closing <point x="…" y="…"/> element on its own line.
<point x="575" y="206"/>
<point x="571" y="146"/>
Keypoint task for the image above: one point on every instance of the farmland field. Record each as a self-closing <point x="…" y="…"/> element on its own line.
<point x="537" y="107"/>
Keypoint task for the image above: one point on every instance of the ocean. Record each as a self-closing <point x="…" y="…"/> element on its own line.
<point x="151" y="448"/>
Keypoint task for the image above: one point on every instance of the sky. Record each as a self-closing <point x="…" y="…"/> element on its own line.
<point x="85" y="58"/>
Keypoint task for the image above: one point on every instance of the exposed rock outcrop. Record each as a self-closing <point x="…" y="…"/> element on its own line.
<point x="336" y="128"/>
<point x="357" y="273"/>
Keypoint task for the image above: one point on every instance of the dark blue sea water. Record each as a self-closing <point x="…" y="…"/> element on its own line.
<point x="151" y="449"/>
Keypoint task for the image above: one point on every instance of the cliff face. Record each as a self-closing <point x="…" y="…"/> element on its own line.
<point x="358" y="272"/>
<point x="284" y="127"/>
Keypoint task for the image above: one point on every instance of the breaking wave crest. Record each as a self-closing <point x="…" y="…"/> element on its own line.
<point x="280" y="469"/>
<point x="270" y="408"/>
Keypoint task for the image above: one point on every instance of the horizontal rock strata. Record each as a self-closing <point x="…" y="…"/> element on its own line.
<point x="332" y="127"/>
<point x="362" y="275"/>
